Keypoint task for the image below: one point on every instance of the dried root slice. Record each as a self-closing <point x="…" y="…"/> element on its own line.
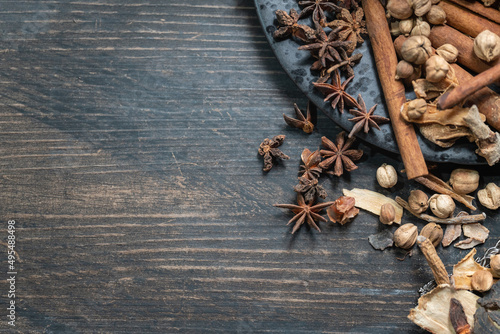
<point x="452" y="233"/>
<point x="476" y="233"/>
<point x="432" y="312"/>
<point x="445" y="135"/>
<point x="463" y="271"/>
<point x="487" y="141"/>
<point x="447" y="117"/>
<point x="372" y="201"/>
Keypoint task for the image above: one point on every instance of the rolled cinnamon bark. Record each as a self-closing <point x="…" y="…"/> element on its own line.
<point x="394" y="91"/>
<point x="466" y="21"/>
<point x="478" y="8"/>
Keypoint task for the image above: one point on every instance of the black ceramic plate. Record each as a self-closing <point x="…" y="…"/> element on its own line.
<point x="296" y="64"/>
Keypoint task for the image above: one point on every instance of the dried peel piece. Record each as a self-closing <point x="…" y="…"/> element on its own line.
<point x="476" y="231"/>
<point x="381" y="240"/>
<point x="463" y="271"/>
<point x="372" y="201"/>
<point x="432" y="312"/>
<point x="451" y="233"/>
<point x="467" y="243"/>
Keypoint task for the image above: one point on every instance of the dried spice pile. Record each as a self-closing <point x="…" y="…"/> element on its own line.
<point x="333" y="31"/>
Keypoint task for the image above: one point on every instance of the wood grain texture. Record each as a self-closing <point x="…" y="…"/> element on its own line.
<point x="128" y="157"/>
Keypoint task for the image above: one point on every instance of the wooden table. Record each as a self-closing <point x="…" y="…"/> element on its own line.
<point x="128" y="139"/>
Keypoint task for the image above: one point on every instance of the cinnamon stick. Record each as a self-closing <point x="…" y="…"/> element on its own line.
<point x="465" y="45"/>
<point x="478" y="8"/>
<point x="486" y="100"/>
<point x="394" y="91"/>
<point x="467" y="22"/>
<point x="452" y="98"/>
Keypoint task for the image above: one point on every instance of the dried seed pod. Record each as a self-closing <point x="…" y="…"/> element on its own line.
<point x="387" y="176"/>
<point x="464" y="181"/>
<point x="387" y="214"/>
<point x="416" y="49"/>
<point x="487" y="45"/>
<point x="405" y="236"/>
<point x="399" y="9"/>
<point x="490" y="196"/>
<point x="436" y="15"/>
<point x="404" y="70"/>
<point x="421" y="7"/>
<point x="495" y="265"/>
<point x="405" y="26"/>
<point x="421" y="28"/>
<point x="442" y="205"/>
<point x="433" y="232"/>
<point x="436" y="69"/>
<point x="416" y="108"/>
<point x="482" y="280"/>
<point x="418" y="201"/>
<point x="448" y="52"/>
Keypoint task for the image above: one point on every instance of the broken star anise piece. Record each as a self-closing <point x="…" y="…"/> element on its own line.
<point x="288" y="26"/>
<point x="326" y="46"/>
<point x="342" y="210"/>
<point x="305" y="212"/>
<point x="310" y="189"/>
<point x="269" y="149"/>
<point x="351" y="25"/>
<point x="310" y="169"/>
<point x="365" y="119"/>
<point x="347" y="63"/>
<point x="339" y="155"/>
<point x="335" y="92"/>
<point x="306" y="123"/>
<point x="317" y="9"/>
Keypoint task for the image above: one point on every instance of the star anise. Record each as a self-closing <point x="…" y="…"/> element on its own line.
<point x="347" y="62"/>
<point x="335" y="92"/>
<point x="339" y="155"/>
<point x="305" y="212"/>
<point x="317" y="8"/>
<point x="351" y="27"/>
<point x="310" y="189"/>
<point x="365" y="119"/>
<point x="306" y="123"/>
<point x="349" y="3"/>
<point x="268" y="148"/>
<point x="288" y="26"/>
<point x="310" y="168"/>
<point x="326" y="46"/>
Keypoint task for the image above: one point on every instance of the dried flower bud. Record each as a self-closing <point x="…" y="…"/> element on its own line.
<point x="421" y="7"/>
<point x="436" y="15"/>
<point x="490" y="196"/>
<point x="399" y="9"/>
<point x="448" y="52"/>
<point x="482" y="280"/>
<point x="436" y="69"/>
<point x="416" y="108"/>
<point x="405" y="26"/>
<point x="487" y="45"/>
<point x="416" y="50"/>
<point x="418" y="201"/>
<point x="464" y="181"/>
<point x="421" y="28"/>
<point x="403" y="70"/>
<point x="405" y="236"/>
<point x="442" y="205"/>
<point x="387" y="214"/>
<point x="387" y="176"/>
<point x="433" y="232"/>
<point x="495" y="265"/>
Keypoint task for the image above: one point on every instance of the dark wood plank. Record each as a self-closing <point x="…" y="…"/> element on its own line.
<point x="128" y="140"/>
